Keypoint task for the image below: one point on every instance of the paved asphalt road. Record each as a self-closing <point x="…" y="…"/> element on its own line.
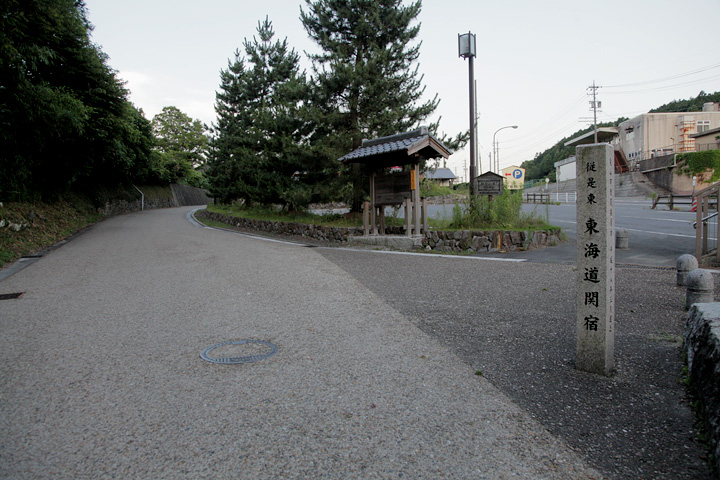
<point x="102" y="375"/>
<point x="373" y="378"/>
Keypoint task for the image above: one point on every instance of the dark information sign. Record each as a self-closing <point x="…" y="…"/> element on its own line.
<point x="488" y="184"/>
<point x="392" y="189"/>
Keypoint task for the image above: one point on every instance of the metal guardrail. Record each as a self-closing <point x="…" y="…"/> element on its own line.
<point x="545" y="197"/>
<point x="565" y="197"/>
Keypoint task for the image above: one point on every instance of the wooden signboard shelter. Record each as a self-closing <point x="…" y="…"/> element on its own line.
<point x="403" y="188"/>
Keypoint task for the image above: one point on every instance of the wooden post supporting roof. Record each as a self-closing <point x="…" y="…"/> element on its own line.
<point x="404" y="149"/>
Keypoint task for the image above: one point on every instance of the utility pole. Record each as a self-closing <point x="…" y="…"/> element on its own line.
<point x="478" y="159"/>
<point x="466" y="49"/>
<point x="594" y="104"/>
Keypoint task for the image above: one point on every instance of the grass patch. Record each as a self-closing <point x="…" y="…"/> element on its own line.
<point x="275" y="215"/>
<point x="502" y="213"/>
<point x="41" y="225"/>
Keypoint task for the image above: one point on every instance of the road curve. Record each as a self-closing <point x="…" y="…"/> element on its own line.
<point x="102" y="375"/>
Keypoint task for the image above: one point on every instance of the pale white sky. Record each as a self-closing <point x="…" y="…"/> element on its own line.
<point x="535" y="59"/>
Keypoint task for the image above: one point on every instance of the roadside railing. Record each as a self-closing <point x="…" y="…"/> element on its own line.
<point x="537" y="197"/>
<point x="564" y="197"/>
<point x="707" y="227"/>
<point x="671" y="200"/>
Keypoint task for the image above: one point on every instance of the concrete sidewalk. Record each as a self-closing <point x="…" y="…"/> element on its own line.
<point x="102" y="376"/>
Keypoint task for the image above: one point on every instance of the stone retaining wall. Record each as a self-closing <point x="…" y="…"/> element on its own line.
<point x="702" y="346"/>
<point x="456" y="241"/>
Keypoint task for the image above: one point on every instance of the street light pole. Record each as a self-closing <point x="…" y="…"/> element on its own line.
<point x="496" y="148"/>
<point x="466" y="49"/>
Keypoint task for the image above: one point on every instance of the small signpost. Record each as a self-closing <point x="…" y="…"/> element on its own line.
<point x="489" y="183"/>
<point x="595" y="259"/>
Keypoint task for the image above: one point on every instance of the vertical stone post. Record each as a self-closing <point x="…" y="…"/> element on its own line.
<point x="595" y="259"/>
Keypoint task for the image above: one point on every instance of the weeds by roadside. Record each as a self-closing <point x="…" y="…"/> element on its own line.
<point x="28" y="227"/>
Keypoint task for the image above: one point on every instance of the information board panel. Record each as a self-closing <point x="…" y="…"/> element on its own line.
<point x="488" y="186"/>
<point x="392" y="189"/>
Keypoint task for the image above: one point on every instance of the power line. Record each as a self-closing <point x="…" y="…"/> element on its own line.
<point x="668" y="87"/>
<point x="671" y="77"/>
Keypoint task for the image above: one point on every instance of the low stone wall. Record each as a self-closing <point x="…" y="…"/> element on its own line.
<point x="457" y="241"/>
<point x="702" y="346"/>
<point x="490" y="241"/>
<point x="317" y="232"/>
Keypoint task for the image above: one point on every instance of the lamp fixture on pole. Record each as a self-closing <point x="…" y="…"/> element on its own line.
<point x="466" y="49"/>
<point x="496" y="148"/>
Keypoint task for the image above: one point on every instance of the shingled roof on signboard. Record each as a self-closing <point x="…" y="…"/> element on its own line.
<point x="416" y="143"/>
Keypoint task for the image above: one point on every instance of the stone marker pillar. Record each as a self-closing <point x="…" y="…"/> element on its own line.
<point x="595" y="258"/>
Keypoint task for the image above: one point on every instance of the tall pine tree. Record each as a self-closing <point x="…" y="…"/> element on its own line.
<point x="260" y="152"/>
<point x="366" y="78"/>
<point x="367" y="74"/>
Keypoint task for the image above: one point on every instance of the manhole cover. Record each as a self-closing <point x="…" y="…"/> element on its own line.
<point x="264" y="350"/>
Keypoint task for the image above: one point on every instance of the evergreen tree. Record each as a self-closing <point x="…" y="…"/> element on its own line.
<point x="366" y="78"/>
<point x="260" y="152"/>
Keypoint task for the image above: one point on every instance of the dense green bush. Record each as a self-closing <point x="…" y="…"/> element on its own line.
<point x="504" y="211"/>
<point x="694" y="163"/>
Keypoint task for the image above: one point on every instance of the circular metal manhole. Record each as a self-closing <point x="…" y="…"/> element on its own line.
<point x="269" y="351"/>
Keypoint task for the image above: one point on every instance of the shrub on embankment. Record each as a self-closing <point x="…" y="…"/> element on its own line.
<point x="27" y="227"/>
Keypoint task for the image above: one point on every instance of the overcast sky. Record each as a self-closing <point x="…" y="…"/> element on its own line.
<point x="535" y="59"/>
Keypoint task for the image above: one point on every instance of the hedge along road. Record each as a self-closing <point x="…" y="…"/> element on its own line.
<point x="102" y="374"/>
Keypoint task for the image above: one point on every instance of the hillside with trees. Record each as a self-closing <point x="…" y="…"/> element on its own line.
<point x="66" y="124"/>
<point x="543" y="165"/>
<point x="689" y="105"/>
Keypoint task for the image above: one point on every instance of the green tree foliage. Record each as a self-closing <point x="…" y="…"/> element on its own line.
<point x="65" y="121"/>
<point x="689" y="105"/>
<point x="180" y="147"/>
<point x="366" y="78"/>
<point x="260" y="153"/>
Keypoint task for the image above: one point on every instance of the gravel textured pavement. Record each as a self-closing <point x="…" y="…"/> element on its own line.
<point x="102" y="376"/>
<point x="516" y="323"/>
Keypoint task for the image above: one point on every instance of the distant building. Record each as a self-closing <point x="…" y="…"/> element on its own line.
<point x="565" y="169"/>
<point x="708" y="140"/>
<point x="658" y="134"/>
<point x="442" y="176"/>
<point x="651" y="135"/>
